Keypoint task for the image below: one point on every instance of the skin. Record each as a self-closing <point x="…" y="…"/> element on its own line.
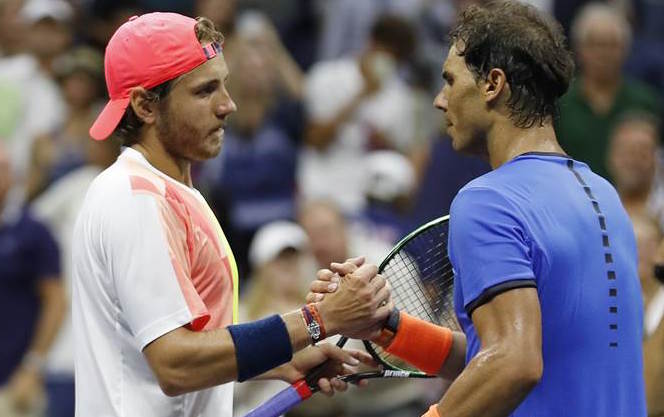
<point x="632" y="162"/>
<point x="478" y="117"/>
<point x="509" y="363"/>
<point x="326" y="229"/>
<point x="188" y="126"/>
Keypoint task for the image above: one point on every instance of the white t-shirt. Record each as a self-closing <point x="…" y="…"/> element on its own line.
<point x="148" y="257"/>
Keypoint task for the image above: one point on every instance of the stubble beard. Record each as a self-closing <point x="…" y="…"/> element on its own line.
<point x="180" y="138"/>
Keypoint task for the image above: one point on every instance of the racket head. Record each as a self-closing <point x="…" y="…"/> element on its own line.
<point x="422" y="282"/>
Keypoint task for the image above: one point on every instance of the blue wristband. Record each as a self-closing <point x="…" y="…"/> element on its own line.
<point x="260" y="346"/>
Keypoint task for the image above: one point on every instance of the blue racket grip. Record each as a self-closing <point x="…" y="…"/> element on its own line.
<point x="283" y="401"/>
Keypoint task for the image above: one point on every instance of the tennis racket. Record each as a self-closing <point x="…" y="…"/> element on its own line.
<point x="422" y="281"/>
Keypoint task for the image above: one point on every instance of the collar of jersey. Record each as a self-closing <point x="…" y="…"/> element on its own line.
<point x="137" y="156"/>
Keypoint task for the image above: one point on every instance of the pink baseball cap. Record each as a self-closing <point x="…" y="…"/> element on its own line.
<point x="146" y="51"/>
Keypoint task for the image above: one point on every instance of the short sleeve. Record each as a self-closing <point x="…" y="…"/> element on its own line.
<point x="488" y="246"/>
<point x="149" y="261"/>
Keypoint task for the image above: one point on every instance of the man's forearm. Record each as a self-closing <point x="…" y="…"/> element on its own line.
<point x="186" y="361"/>
<point x="493" y="384"/>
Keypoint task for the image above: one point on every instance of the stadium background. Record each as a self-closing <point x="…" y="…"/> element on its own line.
<point x="336" y="149"/>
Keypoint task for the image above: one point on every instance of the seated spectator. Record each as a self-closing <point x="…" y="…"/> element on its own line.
<point x="601" y="93"/>
<point x="32" y="302"/>
<point x="354" y="105"/>
<point x="635" y="167"/>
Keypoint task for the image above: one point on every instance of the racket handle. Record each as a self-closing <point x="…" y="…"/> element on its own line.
<point x="314" y="375"/>
<point x="283" y="401"/>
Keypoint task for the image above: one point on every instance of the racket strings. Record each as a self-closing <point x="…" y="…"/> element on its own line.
<point x="422" y="281"/>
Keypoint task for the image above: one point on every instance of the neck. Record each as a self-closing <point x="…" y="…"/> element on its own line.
<point x="158" y="156"/>
<point x="506" y="141"/>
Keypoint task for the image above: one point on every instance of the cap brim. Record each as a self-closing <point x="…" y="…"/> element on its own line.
<point x="108" y="119"/>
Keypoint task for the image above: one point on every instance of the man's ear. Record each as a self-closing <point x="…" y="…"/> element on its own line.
<point x="495" y="85"/>
<point x="143" y="104"/>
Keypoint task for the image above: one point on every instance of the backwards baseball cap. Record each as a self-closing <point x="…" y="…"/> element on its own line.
<point x="146" y="51"/>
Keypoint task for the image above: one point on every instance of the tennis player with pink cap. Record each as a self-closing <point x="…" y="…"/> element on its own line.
<point x="155" y="283"/>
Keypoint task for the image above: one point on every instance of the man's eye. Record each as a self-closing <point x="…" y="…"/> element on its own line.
<point x="205" y="91"/>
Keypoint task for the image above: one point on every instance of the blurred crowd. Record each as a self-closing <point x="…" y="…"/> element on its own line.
<point x="335" y="151"/>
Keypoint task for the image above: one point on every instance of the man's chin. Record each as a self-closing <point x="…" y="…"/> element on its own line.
<point x="456" y="143"/>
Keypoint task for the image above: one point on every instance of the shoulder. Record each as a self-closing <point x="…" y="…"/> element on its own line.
<point x="122" y="194"/>
<point x="479" y="199"/>
<point x="493" y="185"/>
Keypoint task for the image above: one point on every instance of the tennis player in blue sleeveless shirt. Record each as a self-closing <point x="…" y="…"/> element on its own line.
<point x="546" y="288"/>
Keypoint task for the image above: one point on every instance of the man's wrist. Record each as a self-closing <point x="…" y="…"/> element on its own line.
<point x="314" y="323"/>
<point x="389" y="330"/>
<point x="331" y="327"/>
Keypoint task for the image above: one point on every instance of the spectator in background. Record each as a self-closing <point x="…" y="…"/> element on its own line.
<point x="390" y="185"/>
<point x="601" y="37"/>
<point x="648" y="237"/>
<point x="58" y="207"/>
<point x="634" y="165"/>
<point x="357" y="104"/>
<point x="257" y="29"/>
<point x="30" y="101"/>
<point x="50" y="27"/>
<point x="329" y="237"/>
<point x="80" y="74"/>
<point x="252" y="182"/>
<point x="31" y="300"/>
<point x="278" y="256"/>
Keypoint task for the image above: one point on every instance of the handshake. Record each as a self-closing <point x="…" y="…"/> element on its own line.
<point x="352" y="299"/>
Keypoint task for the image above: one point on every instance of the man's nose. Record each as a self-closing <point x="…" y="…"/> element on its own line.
<point x="440" y="102"/>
